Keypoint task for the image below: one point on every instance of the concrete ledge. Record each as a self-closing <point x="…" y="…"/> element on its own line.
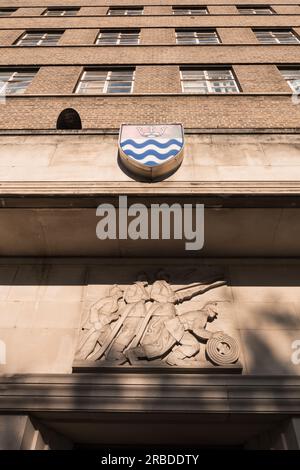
<point x="168" y="188"/>
<point x="150" y="392"/>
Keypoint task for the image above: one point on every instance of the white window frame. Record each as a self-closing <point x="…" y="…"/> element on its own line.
<point x="107" y="81"/>
<point x="257" y="10"/>
<point x="119" y="37"/>
<point x="208" y="81"/>
<point x="41" y="41"/>
<point x="290" y="81"/>
<point x="62" y="10"/>
<point x="190" y="11"/>
<point x="275" y="39"/>
<point x="197" y="40"/>
<point x="126" y="11"/>
<point x="12" y="79"/>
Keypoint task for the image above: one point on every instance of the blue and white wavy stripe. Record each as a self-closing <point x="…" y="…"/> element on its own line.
<point x="150" y="152"/>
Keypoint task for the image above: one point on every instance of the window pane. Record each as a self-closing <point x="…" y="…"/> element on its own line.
<point x="192" y="74"/>
<point x="195" y="87"/>
<point x="105" y="81"/>
<point x="255" y="11"/>
<point x="197" y="37"/>
<point x="118" y="37"/>
<point x="7" y="12"/>
<point x="15" y="82"/>
<point x="190" y="11"/>
<point x="295" y="85"/>
<point x="292" y="77"/>
<point x="125" y="11"/>
<point x="116" y="12"/>
<point x="291" y="73"/>
<point x="39" y="39"/>
<point x="4" y="76"/>
<point x="219" y="74"/>
<point x="61" y="12"/>
<point x="208" y="81"/>
<point x="276" y="37"/>
<point x="134" y="12"/>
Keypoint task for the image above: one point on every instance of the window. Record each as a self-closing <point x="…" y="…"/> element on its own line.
<point x="41" y="38"/>
<point x="292" y="77"/>
<point x="125" y="11"/>
<point x="61" y="12"/>
<point x="196" y="80"/>
<point x="106" y="81"/>
<point x="190" y="11"/>
<point x="116" y="38"/>
<point x="7" y="11"/>
<point x="280" y="36"/>
<point x="201" y="36"/>
<point x="261" y="10"/>
<point x="14" y="82"/>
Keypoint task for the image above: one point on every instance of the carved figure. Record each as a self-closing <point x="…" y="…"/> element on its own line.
<point x="142" y="326"/>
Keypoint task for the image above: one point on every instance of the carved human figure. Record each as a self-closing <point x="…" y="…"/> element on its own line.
<point x="142" y="323"/>
<point x="135" y="309"/>
<point x="176" y="340"/>
<point x="102" y="314"/>
<point x="161" y="290"/>
<point x="194" y="324"/>
<point x="155" y="340"/>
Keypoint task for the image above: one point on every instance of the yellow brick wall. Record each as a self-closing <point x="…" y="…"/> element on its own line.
<point x="158" y="10"/>
<point x="260" y="78"/>
<point x="176" y="54"/>
<point x="158" y="21"/>
<point x="108" y="112"/>
<point x="286" y="9"/>
<point x="78" y="36"/>
<point x="29" y="11"/>
<point x="237" y="36"/>
<point x="93" y="11"/>
<point x="55" y="80"/>
<point x="158" y="36"/>
<point x="157" y="79"/>
<point x="8" y="37"/>
<point x="29" y="3"/>
<point x="222" y="9"/>
<point x="157" y="66"/>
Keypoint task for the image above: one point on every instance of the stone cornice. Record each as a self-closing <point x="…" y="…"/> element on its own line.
<point x="119" y="392"/>
<point x="167" y="188"/>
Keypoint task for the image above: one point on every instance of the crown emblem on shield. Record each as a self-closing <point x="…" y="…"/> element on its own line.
<point x="151" y="131"/>
<point x="151" y="151"/>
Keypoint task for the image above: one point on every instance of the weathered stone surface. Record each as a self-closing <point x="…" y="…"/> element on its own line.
<point x="44" y="305"/>
<point x="269" y="351"/>
<point x="94" y="158"/>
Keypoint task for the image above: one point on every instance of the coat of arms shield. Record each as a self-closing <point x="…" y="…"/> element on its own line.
<point x="151" y="151"/>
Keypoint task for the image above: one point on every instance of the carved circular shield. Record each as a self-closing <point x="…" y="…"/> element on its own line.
<point x="222" y="350"/>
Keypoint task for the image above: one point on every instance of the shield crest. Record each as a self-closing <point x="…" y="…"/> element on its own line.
<point x="151" y="151"/>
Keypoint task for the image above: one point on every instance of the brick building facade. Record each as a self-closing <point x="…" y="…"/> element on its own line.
<point x="242" y="155"/>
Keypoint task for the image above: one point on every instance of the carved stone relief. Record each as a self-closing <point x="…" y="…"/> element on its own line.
<point x="142" y="325"/>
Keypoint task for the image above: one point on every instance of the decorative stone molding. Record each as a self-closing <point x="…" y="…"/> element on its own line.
<point x="151" y="392"/>
<point x="141" y="325"/>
